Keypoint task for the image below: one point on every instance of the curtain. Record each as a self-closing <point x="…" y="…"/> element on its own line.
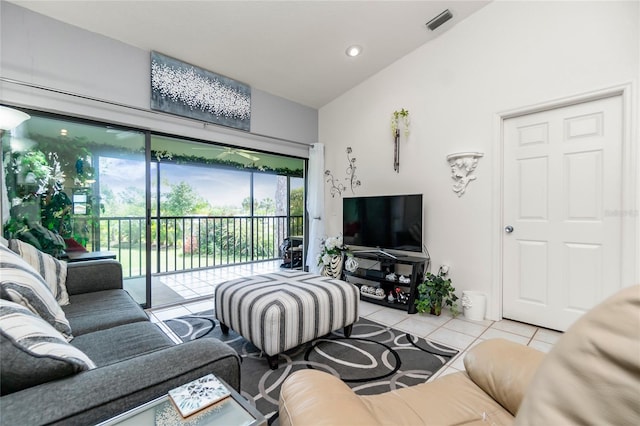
<point x="5" y="215"/>
<point x="315" y="204"/>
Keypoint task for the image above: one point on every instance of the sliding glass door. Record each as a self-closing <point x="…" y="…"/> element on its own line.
<point x="165" y="207"/>
<point x="76" y="190"/>
<point x="214" y="206"/>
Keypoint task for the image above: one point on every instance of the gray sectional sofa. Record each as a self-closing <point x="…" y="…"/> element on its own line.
<point x="136" y="362"/>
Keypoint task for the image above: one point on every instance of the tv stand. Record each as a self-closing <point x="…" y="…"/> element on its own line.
<point x="378" y="277"/>
<point x="377" y="251"/>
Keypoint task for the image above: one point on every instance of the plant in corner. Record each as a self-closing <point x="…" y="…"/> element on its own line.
<point x="435" y="292"/>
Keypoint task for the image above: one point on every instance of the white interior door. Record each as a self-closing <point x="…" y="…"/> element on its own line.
<point x="561" y="210"/>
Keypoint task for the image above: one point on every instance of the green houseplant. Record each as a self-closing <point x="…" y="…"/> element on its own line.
<point x="435" y="292"/>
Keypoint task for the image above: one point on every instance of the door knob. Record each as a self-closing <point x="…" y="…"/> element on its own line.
<point x="508" y="229"/>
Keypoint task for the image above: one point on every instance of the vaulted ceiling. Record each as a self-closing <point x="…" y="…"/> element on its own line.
<point x="292" y="49"/>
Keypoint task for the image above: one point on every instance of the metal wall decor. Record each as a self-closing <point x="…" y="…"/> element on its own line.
<point x="462" y="166"/>
<point x="337" y="188"/>
<point x="186" y="90"/>
<point x="399" y="118"/>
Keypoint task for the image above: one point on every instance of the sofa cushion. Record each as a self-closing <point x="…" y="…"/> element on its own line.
<point x="592" y="374"/>
<point x="22" y="284"/>
<point x="52" y="270"/>
<point x="122" y="342"/>
<point x="32" y="351"/>
<point x="100" y="310"/>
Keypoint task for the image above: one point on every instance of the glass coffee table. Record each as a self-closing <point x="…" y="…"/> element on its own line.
<point x="231" y="411"/>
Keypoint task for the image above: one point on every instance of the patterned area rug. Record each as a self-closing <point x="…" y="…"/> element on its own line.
<point x="373" y="360"/>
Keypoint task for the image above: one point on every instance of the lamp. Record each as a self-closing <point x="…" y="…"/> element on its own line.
<point x="11" y="118"/>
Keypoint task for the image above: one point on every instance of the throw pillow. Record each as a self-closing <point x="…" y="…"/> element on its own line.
<point x="32" y="352"/>
<point x="52" y="270"/>
<point x="20" y="283"/>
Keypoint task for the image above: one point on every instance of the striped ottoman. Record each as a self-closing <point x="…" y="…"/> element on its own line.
<point x="282" y="310"/>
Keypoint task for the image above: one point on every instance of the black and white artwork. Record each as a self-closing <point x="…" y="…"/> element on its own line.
<point x="186" y="90"/>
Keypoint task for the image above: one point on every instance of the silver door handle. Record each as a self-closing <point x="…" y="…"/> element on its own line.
<point x="508" y="229"/>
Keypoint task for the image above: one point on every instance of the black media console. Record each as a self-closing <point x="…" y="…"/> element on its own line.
<point x="375" y="276"/>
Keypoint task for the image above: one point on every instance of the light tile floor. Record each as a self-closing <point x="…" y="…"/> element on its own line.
<point x="457" y="332"/>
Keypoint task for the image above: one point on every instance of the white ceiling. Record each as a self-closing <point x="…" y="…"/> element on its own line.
<point x="292" y="49"/>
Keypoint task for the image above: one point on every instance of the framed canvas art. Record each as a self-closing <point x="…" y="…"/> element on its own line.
<point x="186" y="90"/>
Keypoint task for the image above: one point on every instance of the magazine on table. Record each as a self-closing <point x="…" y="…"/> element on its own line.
<point x="198" y="394"/>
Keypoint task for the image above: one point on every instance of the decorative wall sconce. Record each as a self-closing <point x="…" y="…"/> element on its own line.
<point x="338" y="188"/>
<point x="396" y="118"/>
<point x="462" y="166"/>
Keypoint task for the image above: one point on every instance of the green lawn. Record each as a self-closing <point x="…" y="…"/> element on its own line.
<point x="133" y="262"/>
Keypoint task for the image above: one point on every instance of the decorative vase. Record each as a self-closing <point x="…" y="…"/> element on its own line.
<point x="350" y="264"/>
<point x="334" y="268"/>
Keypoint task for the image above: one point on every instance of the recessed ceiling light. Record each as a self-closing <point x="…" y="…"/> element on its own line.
<point x="63" y="132"/>
<point x="353" y="51"/>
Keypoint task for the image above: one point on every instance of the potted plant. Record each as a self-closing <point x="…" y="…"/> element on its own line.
<point x="435" y="292"/>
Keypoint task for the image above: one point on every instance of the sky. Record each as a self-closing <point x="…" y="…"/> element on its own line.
<point x="219" y="187"/>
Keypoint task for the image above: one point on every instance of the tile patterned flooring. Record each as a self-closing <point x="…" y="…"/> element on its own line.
<point x="456" y="332"/>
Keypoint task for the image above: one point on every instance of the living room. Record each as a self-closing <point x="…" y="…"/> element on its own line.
<point x="505" y="60"/>
<point x="439" y="81"/>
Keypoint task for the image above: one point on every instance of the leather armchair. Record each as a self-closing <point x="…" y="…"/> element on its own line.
<point x="591" y="376"/>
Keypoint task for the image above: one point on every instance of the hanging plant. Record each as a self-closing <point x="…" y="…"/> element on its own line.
<point x="34" y="162"/>
<point x="403" y="115"/>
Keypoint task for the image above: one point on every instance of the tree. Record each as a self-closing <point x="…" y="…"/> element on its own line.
<point x="183" y="200"/>
<point x="297" y="202"/>
<point x="246" y="206"/>
<point x="131" y="202"/>
<point x="266" y="207"/>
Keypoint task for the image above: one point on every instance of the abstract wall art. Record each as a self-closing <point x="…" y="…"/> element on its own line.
<point x="182" y="89"/>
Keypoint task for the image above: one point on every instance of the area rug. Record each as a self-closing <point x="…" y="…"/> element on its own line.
<point x="373" y="360"/>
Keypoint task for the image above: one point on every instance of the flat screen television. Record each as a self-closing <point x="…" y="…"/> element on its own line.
<point x="391" y="222"/>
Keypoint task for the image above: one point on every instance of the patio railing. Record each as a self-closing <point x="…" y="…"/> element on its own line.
<point x="190" y="242"/>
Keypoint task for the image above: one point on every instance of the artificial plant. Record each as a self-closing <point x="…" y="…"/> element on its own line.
<point x="436" y="292"/>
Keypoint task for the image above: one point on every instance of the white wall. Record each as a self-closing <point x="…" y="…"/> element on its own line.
<point x="508" y="55"/>
<point x="39" y="50"/>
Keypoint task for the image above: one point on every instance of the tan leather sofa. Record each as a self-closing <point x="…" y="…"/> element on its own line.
<point x="591" y="376"/>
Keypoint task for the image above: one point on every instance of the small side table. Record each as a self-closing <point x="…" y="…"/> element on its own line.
<point x="75" y="256"/>
<point x="231" y="411"/>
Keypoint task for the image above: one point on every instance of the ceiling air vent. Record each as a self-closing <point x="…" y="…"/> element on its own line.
<point x="439" y="20"/>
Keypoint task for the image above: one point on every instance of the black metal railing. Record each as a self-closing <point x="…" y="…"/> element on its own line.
<point x="189" y="242"/>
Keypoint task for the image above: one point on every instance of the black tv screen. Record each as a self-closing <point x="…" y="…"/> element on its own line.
<point x="387" y="222"/>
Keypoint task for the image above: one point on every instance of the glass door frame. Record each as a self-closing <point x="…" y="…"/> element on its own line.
<point x="148" y="135"/>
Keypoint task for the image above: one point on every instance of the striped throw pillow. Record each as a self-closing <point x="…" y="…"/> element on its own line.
<point x="32" y="351"/>
<point x="52" y="270"/>
<point x="20" y="283"/>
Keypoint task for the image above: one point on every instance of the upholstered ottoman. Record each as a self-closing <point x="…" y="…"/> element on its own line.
<point x="282" y="310"/>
